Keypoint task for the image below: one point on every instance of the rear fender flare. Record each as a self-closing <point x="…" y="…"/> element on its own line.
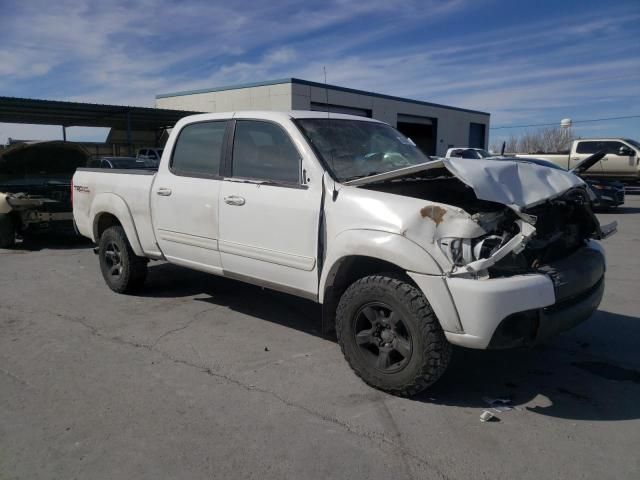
<point x="113" y="204"/>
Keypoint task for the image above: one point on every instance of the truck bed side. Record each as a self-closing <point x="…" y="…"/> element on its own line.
<point x="101" y="194"/>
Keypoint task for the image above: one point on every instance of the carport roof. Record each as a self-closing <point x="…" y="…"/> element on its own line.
<point x="76" y="114"/>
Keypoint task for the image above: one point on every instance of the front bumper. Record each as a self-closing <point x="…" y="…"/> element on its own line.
<point x="523" y="309"/>
<point x="610" y="199"/>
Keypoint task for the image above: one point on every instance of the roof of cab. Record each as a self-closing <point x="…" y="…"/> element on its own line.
<point x="270" y="115"/>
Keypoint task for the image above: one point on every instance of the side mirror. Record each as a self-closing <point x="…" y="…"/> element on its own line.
<point x="626" y="152"/>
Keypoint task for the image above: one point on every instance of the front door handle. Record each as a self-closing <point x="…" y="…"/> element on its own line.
<point x="234" y="200"/>
<point x="164" y="192"/>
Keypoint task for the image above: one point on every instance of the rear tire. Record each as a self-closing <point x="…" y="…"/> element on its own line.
<point x="7" y="231"/>
<point x="122" y="269"/>
<point x="390" y="336"/>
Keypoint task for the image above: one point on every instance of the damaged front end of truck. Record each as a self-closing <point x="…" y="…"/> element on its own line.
<point x="516" y="243"/>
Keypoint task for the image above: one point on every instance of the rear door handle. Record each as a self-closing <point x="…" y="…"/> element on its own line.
<point x="164" y="192"/>
<point x="234" y="200"/>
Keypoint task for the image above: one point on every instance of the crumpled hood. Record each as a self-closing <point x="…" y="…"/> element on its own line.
<point x="517" y="185"/>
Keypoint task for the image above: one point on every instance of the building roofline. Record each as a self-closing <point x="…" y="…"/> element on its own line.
<point x="266" y="83"/>
<point x="299" y="81"/>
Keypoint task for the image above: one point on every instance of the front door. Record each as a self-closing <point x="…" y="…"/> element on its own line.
<point x="184" y="197"/>
<point x="268" y="213"/>
<point x="618" y="165"/>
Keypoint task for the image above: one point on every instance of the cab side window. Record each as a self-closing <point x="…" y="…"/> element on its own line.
<point x="587" y="147"/>
<point x="264" y="151"/>
<point x="198" y="149"/>
<point x="613" y="147"/>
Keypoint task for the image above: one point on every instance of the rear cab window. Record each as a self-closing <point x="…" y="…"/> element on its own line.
<point x="199" y="148"/>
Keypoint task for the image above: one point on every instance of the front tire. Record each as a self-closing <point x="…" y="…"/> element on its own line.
<point x="390" y="336"/>
<point x="122" y="269"/>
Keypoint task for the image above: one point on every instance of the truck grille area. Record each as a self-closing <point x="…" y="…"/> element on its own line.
<point x="563" y="227"/>
<point x="575" y="274"/>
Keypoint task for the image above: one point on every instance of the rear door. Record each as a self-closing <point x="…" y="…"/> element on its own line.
<point x="584" y="149"/>
<point x="269" y="213"/>
<point x="184" y="197"/>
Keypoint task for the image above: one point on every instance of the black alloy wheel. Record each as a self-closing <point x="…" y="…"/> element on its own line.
<point x="383" y="339"/>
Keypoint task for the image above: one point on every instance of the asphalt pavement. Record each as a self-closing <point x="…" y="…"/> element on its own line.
<point x="200" y="377"/>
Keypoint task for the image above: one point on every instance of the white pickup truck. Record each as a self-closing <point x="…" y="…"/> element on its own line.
<point x="622" y="159"/>
<point x="407" y="255"/>
<point x="467" y="152"/>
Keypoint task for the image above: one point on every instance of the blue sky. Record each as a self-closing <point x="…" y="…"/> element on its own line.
<point x="524" y="62"/>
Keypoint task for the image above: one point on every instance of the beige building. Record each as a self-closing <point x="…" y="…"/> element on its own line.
<point x="431" y="126"/>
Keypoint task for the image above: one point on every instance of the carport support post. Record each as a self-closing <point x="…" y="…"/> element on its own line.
<point x="129" y="131"/>
<point x="64" y="133"/>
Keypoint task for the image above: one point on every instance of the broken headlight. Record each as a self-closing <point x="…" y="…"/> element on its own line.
<point x="461" y="251"/>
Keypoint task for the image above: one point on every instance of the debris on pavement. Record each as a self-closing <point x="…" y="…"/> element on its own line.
<point x="487" y="416"/>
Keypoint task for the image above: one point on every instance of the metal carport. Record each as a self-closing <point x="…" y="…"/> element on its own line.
<point x="76" y="114"/>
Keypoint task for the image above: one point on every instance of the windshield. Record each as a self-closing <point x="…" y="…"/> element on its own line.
<point x="632" y="142"/>
<point x="354" y="148"/>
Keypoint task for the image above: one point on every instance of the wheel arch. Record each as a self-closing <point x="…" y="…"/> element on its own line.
<point x="355" y="254"/>
<point x="108" y="210"/>
<point x="370" y="247"/>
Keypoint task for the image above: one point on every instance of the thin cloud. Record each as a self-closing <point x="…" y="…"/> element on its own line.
<point x="578" y="64"/>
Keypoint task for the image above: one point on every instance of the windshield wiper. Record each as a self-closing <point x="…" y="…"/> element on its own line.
<point x="355" y="177"/>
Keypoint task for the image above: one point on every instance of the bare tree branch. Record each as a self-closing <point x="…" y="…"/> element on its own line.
<point x="544" y="140"/>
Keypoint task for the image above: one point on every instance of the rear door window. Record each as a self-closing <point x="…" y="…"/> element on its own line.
<point x="587" y="147"/>
<point x="198" y="149"/>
